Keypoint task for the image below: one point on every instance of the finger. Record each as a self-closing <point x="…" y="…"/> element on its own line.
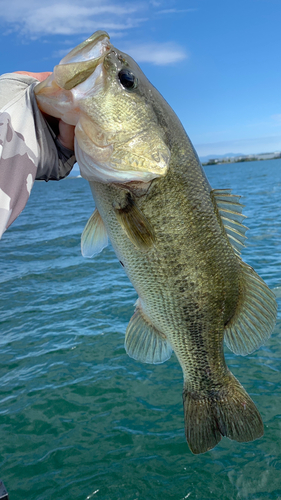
<point x="39" y="76"/>
<point x="66" y="134"/>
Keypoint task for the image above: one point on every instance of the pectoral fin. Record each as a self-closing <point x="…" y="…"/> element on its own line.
<point x="94" y="237"/>
<point x="136" y="226"/>
<point x="144" y="342"/>
<point x="255" y="316"/>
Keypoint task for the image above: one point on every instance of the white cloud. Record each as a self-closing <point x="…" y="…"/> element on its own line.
<point x="33" y="20"/>
<point x="160" y="54"/>
<point x="276" y="118"/>
<point x="175" y="11"/>
<point x="68" y="17"/>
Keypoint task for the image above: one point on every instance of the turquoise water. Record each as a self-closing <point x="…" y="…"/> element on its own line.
<point x="81" y="420"/>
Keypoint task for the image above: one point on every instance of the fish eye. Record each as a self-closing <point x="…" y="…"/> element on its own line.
<point x="127" y="79"/>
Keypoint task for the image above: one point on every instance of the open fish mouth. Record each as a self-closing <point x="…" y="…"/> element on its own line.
<point x="79" y="63"/>
<point x="59" y="94"/>
<point x="94" y="88"/>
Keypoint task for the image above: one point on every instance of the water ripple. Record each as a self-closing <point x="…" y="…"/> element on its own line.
<point x="79" y="418"/>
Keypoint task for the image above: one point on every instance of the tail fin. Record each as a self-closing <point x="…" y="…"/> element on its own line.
<point x="228" y="412"/>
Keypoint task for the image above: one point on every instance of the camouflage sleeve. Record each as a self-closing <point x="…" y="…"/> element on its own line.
<point x="29" y="149"/>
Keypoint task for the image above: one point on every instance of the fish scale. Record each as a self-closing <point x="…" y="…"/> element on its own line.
<point x="179" y="311"/>
<point x="178" y="240"/>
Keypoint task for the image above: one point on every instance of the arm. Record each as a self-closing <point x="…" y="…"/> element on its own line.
<point x="65" y="131"/>
<point x="31" y="146"/>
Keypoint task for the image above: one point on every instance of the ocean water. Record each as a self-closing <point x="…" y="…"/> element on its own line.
<point x="79" y="419"/>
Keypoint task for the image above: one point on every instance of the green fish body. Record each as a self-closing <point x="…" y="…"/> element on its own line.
<point x="178" y="240"/>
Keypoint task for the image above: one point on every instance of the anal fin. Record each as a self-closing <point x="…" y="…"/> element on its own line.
<point x="144" y="342"/>
<point x="94" y="237"/>
<point x="255" y="315"/>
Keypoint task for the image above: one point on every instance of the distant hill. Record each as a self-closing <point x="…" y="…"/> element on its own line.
<point x="205" y="159"/>
<point x="237" y="158"/>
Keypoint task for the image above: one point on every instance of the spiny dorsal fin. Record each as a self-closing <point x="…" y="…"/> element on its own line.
<point x="144" y="342"/>
<point x="230" y="210"/>
<point x="255" y="316"/>
<point x="94" y="237"/>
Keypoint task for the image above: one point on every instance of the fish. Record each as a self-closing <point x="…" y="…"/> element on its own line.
<point x="178" y="240"/>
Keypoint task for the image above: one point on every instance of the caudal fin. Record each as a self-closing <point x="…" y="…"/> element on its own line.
<point x="228" y="412"/>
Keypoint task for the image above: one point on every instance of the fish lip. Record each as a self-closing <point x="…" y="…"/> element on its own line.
<point x="79" y="64"/>
<point x="71" y="71"/>
<point x="75" y="54"/>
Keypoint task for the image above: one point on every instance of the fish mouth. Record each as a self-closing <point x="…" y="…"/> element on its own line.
<point x="105" y="152"/>
<point x="78" y="64"/>
<point x="82" y="61"/>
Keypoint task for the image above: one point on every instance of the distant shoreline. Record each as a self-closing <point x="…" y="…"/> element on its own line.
<point x="242" y="158"/>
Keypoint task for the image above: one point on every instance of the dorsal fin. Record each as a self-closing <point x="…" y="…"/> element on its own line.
<point x="230" y="210"/>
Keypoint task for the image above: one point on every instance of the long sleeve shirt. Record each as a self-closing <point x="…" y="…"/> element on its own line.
<point x="29" y="148"/>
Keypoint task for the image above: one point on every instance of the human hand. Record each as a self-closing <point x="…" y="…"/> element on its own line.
<point x="39" y="76"/>
<point x="66" y="135"/>
<point x="66" y="131"/>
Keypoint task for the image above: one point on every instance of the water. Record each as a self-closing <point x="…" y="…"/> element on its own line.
<point x="81" y="420"/>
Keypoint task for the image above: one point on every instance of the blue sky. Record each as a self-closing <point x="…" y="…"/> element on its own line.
<point x="217" y="62"/>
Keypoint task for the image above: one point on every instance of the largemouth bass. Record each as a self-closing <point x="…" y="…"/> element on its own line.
<point x="178" y="240"/>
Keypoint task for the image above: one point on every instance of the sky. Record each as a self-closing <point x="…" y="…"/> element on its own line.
<point x="216" y="62"/>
